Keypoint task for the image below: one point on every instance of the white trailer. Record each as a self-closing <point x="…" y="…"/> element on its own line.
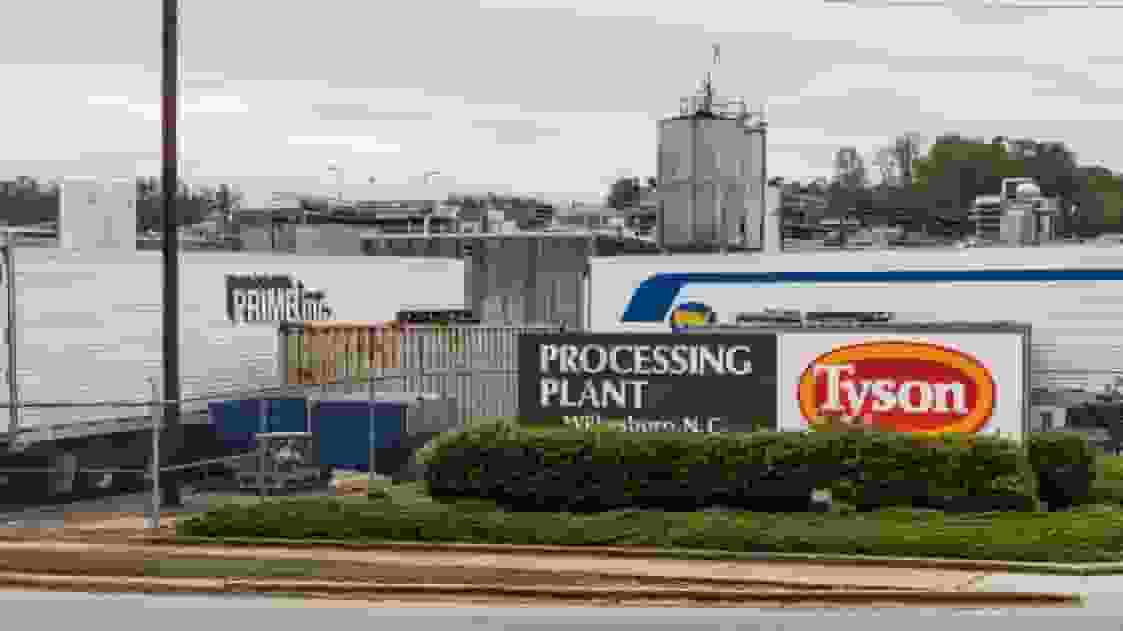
<point x="1071" y="295"/>
<point x="90" y="322"/>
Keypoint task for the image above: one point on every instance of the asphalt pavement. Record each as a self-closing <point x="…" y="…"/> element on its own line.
<point x="60" y="610"/>
<point x="1102" y="593"/>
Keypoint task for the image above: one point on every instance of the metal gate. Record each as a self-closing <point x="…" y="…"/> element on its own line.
<point x="476" y="364"/>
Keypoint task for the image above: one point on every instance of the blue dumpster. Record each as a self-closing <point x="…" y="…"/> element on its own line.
<point x="287" y="415"/>
<point x="343" y="431"/>
<point x="237" y="421"/>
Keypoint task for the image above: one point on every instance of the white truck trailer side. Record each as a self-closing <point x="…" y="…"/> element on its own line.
<point x="90" y="321"/>
<point x="1072" y="295"/>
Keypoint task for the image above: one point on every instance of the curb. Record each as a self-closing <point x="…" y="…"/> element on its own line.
<point x="925" y="563"/>
<point x="198" y="553"/>
<point x="369" y="590"/>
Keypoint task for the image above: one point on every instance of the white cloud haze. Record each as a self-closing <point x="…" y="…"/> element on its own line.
<point x="531" y="96"/>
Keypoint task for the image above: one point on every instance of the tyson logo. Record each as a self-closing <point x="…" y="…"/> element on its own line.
<point x="899" y="386"/>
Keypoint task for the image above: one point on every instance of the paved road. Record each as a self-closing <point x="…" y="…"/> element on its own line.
<point x="1102" y="593"/>
<point x="173" y="613"/>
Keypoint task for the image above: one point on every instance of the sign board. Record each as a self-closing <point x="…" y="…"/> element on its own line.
<point x="648" y="382"/>
<point x="922" y="382"/>
<point x="273" y="299"/>
<point x="333" y="353"/>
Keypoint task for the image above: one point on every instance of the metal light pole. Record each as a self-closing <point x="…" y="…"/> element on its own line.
<point x="170" y="159"/>
<point x="428" y="178"/>
<point x="338" y="182"/>
<point x="8" y="244"/>
<point x="153" y="521"/>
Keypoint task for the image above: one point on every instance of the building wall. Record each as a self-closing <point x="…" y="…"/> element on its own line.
<point x="431" y="247"/>
<point x="97" y="214"/>
<point x="329" y="239"/>
<point x="756" y="185"/>
<point x="256" y="238"/>
<point x="529" y="280"/>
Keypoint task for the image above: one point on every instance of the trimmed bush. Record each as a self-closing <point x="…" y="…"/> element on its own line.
<point x="591" y="471"/>
<point x="1065" y="464"/>
<point x="1089" y="535"/>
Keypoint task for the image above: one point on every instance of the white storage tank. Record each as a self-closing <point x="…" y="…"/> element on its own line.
<point x="711" y="176"/>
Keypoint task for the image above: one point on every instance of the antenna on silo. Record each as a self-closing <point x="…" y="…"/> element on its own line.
<point x="708" y="86"/>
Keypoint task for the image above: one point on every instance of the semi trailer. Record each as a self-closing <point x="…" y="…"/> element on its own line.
<point x="88" y="332"/>
<point x="1071" y="295"/>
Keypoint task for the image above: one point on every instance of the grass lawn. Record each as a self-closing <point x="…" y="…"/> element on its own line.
<point x="1108" y="487"/>
<point x="406" y="513"/>
<point x="231" y="568"/>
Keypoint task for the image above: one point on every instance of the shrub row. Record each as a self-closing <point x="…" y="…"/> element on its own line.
<point x="1065" y="466"/>
<point x="1059" y="537"/>
<point x="590" y="471"/>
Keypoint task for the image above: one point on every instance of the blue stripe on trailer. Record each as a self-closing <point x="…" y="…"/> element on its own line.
<point x="653" y="299"/>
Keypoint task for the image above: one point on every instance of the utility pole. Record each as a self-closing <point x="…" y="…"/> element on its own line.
<point x="170" y="159"/>
<point x="428" y="178"/>
<point x="12" y="335"/>
<point x="338" y="171"/>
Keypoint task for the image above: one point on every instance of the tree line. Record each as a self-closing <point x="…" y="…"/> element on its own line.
<point x="27" y="201"/>
<point x="934" y="188"/>
<point x="938" y="187"/>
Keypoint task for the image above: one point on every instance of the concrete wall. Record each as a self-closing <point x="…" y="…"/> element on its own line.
<point x="756" y="183"/>
<point x="529" y="280"/>
<point x="328" y="240"/>
<point x="431" y="247"/>
<point x="256" y="239"/>
<point x="97" y="214"/>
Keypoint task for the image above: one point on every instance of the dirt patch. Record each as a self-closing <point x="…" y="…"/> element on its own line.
<point x="62" y="556"/>
<point x="138" y="562"/>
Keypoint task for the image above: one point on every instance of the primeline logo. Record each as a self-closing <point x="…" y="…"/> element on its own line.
<point x="273" y="299"/>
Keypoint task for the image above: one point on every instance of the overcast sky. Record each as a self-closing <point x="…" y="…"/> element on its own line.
<point x="529" y="96"/>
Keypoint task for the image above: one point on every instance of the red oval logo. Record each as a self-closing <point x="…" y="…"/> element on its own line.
<point x="907" y="387"/>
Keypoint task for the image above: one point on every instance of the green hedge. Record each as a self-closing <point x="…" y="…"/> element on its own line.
<point x="1079" y="536"/>
<point x="1065" y="464"/>
<point x="589" y="471"/>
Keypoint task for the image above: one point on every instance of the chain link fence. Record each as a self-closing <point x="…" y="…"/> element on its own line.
<point x="473" y="369"/>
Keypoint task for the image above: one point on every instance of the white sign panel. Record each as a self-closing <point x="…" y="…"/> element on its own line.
<point x="931" y="383"/>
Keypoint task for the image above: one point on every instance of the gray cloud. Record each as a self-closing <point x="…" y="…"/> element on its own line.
<point x="204" y="83"/>
<point x="45" y="39"/>
<point x="515" y="132"/>
<point x="361" y="112"/>
<point x="545" y="60"/>
<point x="1004" y="12"/>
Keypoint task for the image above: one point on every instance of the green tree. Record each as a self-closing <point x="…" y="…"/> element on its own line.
<point x="958" y="169"/>
<point x="1054" y="168"/>
<point x="625" y="192"/>
<point x="1100" y="201"/>
<point x="191" y="206"/>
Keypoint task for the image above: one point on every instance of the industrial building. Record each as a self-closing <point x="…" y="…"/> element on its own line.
<point x="97" y="214"/>
<point x="712" y="175"/>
